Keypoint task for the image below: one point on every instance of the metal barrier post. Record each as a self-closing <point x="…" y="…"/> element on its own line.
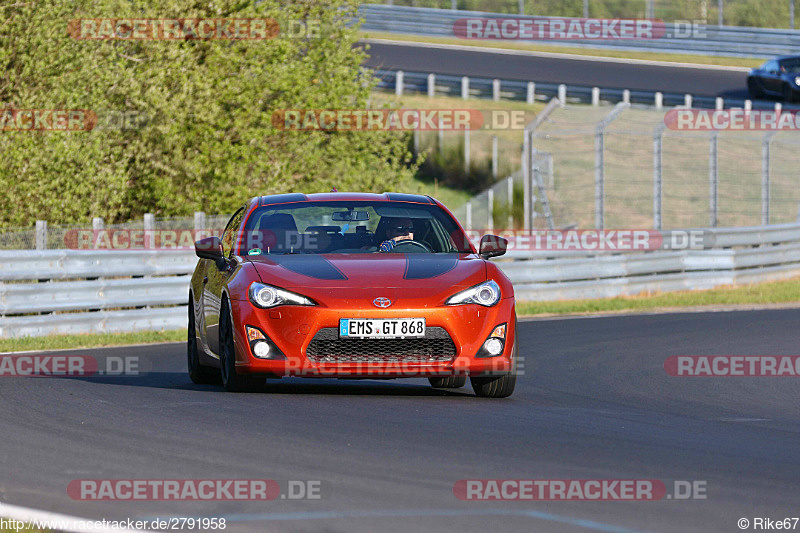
<point x="398" y="83"/>
<point x="41" y="235"/>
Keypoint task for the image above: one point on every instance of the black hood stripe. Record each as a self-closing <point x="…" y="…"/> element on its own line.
<point x="422" y="266"/>
<point x="311" y="265"/>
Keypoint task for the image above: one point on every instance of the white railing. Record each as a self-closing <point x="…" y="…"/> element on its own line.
<point x="76" y="291"/>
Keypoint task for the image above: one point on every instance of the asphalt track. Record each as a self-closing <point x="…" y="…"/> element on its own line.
<point x="587" y="72"/>
<point x="594" y="403"/>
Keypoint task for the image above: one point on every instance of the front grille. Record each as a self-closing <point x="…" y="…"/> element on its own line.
<point x="327" y="347"/>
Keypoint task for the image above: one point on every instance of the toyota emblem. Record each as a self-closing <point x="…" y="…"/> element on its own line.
<point x="382" y="302"/>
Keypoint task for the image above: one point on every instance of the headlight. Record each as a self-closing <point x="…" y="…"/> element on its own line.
<point x="266" y="296"/>
<point x="797" y="81"/>
<point x="486" y="294"/>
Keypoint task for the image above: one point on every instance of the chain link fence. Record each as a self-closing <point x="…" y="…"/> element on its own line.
<point x="621" y="167"/>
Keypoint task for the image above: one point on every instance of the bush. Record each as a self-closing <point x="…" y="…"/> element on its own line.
<point x="208" y="142"/>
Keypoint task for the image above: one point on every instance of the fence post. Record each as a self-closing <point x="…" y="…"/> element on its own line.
<point x="98" y="223"/>
<point x="599" y="164"/>
<point x="713" y="179"/>
<point x="490" y="209"/>
<point x="510" y="192"/>
<point x="599" y="178"/>
<point x="431" y="85"/>
<point x="495" y="89"/>
<point x="626" y="96"/>
<point x="398" y="83"/>
<point x="765" y="175"/>
<point x="526" y="180"/>
<point x="464" y="87"/>
<point x="658" y="144"/>
<point x="595" y="96"/>
<point x="562" y="94"/>
<point x="521" y="7"/>
<point x="415" y="136"/>
<point x="468" y="215"/>
<point x="41" y="235"/>
<point x="453" y="4"/>
<point x="531" y="95"/>
<point x="687" y="101"/>
<point x="720" y="104"/>
<point x="659" y="100"/>
<point x="778" y="108"/>
<point x="748" y="105"/>
<point x="466" y="151"/>
<point x="494" y="157"/>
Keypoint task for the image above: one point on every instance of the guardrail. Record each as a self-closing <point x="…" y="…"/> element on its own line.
<point x="434" y="84"/>
<point x="718" y="40"/>
<point x="83" y="291"/>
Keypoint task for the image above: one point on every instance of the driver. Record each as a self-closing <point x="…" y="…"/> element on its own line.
<point x="401" y="229"/>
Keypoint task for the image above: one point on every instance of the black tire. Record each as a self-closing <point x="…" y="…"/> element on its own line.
<point x="498" y="386"/>
<point x="199" y="374"/>
<point x="788" y="94"/>
<point x="448" y="382"/>
<point x="231" y="381"/>
<point x="754" y="88"/>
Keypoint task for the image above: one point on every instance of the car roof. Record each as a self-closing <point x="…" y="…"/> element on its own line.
<point x="343" y="197"/>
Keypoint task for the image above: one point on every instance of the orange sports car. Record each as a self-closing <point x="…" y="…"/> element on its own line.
<point x="351" y="285"/>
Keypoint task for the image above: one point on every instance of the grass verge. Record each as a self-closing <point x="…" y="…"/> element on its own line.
<point x="592" y="52"/>
<point x="58" y="342"/>
<point x="774" y="292"/>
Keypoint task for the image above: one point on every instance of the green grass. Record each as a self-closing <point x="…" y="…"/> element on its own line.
<point x="593" y="52"/>
<point x="58" y="342"/>
<point x="775" y="292"/>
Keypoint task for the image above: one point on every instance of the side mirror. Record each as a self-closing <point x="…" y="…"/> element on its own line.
<point x="209" y="248"/>
<point x="492" y="246"/>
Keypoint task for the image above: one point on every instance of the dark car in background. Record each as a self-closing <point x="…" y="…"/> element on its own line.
<point x="779" y="76"/>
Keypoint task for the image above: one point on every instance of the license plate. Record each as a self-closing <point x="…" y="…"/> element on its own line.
<point x="381" y="328"/>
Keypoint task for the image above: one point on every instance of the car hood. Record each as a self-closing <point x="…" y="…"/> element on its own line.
<point x="370" y="271"/>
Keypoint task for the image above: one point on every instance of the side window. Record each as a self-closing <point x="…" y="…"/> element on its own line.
<point x="231" y="230"/>
<point x="771" y="66"/>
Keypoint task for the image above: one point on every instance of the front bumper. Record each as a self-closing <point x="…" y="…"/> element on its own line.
<point x="292" y="328"/>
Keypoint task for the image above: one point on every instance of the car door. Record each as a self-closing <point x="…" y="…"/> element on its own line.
<point x="772" y="77"/>
<point x="214" y="281"/>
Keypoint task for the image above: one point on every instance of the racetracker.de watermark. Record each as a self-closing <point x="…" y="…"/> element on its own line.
<point x="733" y="365"/>
<point x="731" y="120"/>
<point x="577" y="29"/>
<point x="630" y="240"/>
<point x="577" y="490"/>
<point x="47" y="119"/>
<point x="181" y="29"/>
<point x="398" y="119"/>
<point x="16" y="365"/>
<point x="193" y="489"/>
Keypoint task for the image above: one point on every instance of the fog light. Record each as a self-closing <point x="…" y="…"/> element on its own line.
<point x="494" y="346"/>
<point x="261" y="349"/>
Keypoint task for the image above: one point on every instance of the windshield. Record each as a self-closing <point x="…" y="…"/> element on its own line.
<point x="351" y="228"/>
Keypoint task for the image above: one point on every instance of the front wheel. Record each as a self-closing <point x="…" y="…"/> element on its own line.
<point x="231" y="381"/>
<point x="498" y="386"/>
<point x="448" y="382"/>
